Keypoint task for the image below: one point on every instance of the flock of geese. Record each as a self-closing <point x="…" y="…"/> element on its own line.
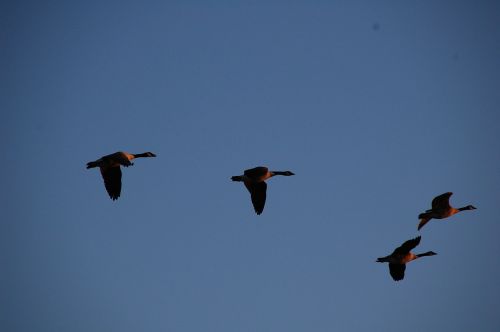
<point x="254" y="180"/>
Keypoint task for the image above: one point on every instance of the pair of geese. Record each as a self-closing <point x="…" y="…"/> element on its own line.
<point x="254" y="180"/>
<point x="441" y="209"/>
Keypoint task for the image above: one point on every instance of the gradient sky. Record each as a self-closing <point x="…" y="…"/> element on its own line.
<point x="377" y="106"/>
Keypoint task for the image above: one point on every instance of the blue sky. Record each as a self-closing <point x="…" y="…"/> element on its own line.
<point x="376" y="106"/>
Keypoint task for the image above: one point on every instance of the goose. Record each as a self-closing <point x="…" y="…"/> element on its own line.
<point x="254" y="180"/>
<point x="111" y="172"/>
<point x="402" y="255"/>
<point x="440" y="209"/>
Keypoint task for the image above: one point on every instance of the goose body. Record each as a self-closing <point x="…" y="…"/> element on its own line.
<point x="441" y="209"/>
<point x="111" y="171"/>
<point x="254" y="180"/>
<point x="401" y="256"/>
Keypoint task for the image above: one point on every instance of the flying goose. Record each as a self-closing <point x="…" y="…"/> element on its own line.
<point x="254" y="179"/>
<point x="440" y="209"/>
<point x="111" y="172"/>
<point x="402" y="255"/>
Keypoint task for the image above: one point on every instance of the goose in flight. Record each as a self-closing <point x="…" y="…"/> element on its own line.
<point x="254" y="179"/>
<point x="440" y="209"/>
<point x="402" y="255"/>
<point x="111" y="172"/>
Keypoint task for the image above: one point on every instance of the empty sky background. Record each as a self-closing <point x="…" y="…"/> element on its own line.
<point x="377" y="106"/>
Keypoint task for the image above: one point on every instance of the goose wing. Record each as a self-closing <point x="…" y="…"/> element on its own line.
<point x="423" y="221"/>
<point x="112" y="177"/>
<point x="397" y="271"/>
<point x="407" y="246"/>
<point x="256" y="172"/>
<point x="441" y="202"/>
<point x="258" y="193"/>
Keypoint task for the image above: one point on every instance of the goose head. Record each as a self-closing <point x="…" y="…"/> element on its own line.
<point x="286" y="173"/>
<point x="468" y="207"/>
<point x="428" y="253"/>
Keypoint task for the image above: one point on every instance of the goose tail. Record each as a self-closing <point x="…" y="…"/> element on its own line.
<point x="92" y="164"/>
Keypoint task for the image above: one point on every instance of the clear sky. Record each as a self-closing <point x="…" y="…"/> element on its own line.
<point x="377" y="106"/>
